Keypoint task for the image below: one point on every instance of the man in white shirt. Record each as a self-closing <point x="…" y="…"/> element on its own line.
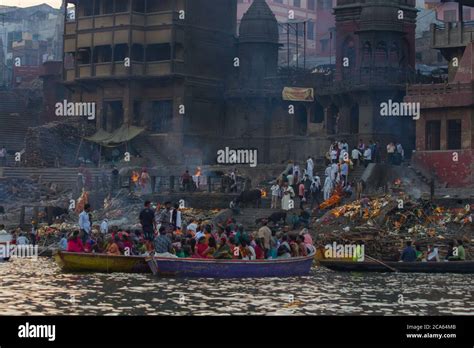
<point x="104" y="226"/>
<point x="309" y="167"/>
<point x="367" y="156"/>
<point x="85" y="223"/>
<point x="275" y="194"/>
<point x="355" y="156"/>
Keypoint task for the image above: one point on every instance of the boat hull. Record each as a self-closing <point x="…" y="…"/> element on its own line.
<point x="187" y="267"/>
<point x="82" y="262"/>
<point x="405" y="267"/>
<point x="215" y="268"/>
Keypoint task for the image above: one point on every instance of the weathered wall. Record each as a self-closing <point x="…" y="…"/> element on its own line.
<point x="441" y="163"/>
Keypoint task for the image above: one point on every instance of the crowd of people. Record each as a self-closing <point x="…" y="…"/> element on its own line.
<point x="164" y="234"/>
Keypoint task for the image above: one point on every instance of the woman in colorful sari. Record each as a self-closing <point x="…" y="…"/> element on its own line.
<point x="113" y="248"/>
<point x="224" y="250"/>
<point x="200" y="251"/>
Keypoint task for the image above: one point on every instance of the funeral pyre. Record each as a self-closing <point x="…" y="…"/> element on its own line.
<point x="385" y="222"/>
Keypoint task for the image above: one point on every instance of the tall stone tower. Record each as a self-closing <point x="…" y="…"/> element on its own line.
<point x="258" y="45"/>
<point x="374" y="35"/>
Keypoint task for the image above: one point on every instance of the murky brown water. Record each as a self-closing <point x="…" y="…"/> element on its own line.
<point x="35" y="287"/>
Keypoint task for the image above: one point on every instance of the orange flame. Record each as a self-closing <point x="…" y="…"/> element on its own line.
<point x="135" y="176"/>
<point x="264" y="193"/>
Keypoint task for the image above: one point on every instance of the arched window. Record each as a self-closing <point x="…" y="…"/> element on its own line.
<point x="394" y="57"/>
<point x="381" y="57"/>
<point x="367" y="54"/>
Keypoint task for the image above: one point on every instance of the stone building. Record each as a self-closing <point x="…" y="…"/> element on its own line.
<point x="179" y="54"/>
<point x="195" y="86"/>
<point x="375" y="58"/>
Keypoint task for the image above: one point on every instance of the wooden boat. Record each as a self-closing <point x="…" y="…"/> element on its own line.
<point x="187" y="267"/>
<point x="85" y="262"/>
<point x="224" y="268"/>
<point x="406" y="267"/>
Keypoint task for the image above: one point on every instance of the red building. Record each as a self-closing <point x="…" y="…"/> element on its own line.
<point x="444" y="141"/>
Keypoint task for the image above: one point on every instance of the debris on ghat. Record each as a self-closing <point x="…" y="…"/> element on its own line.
<point x="385" y="222"/>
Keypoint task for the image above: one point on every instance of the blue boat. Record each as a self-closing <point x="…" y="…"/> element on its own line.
<point x="224" y="268"/>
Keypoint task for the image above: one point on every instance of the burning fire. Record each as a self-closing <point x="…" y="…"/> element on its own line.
<point x="135" y="176"/>
<point x="198" y="171"/>
<point x="264" y="193"/>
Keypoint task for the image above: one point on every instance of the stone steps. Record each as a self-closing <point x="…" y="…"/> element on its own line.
<point x="66" y="177"/>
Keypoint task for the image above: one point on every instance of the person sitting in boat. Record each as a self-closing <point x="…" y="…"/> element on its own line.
<point x="303" y="250"/>
<point x="246" y="251"/>
<point x="163" y="245"/>
<point x="74" y="244"/>
<point x="224" y="250"/>
<point x="200" y="250"/>
<point x="433" y="254"/>
<point x="274" y="244"/>
<point x="459" y="254"/>
<point x="259" y="250"/>
<point x="284" y="250"/>
<point x="113" y="248"/>
<point x="409" y="253"/>
<point x="294" y="247"/>
<point x="63" y="242"/>
<point x="419" y="253"/>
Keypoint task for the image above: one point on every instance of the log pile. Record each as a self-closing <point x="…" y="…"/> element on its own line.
<point x="385" y="223"/>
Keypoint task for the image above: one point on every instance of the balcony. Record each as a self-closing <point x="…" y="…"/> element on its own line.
<point x="117" y="69"/>
<point x="103" y="69"/>
<point x="85" y="70"/>
<point x="452" y="35"/>
<point x="122" y="19"/>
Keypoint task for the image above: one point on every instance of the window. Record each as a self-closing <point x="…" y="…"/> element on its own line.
<point x="297" y="3"/>
<point x="450" y="16"/>
<point x="466" y="14"/>
<point x="311" y="5"/>
<point x="84" y="55"/>
<point x="433" y="135"/>
<point x="120" y="52"/>
<point x="108" y="7"/>
<point x="137" y="52"/>
<point x="324" y="45"/>
<point x="310" y="30"/>
<point x="454" y="134"/>
<point x="158" y="52"/>
<point x="102" y="54"/>
<point x="121" y="5"/>
<point x="324" y="4"/>
<point x="138" y="6"/>
<point x="162" y="115"/>
<point x="278" y="1"/>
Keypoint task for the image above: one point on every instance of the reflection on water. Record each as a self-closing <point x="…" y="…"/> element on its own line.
<point x="36" y="287"/>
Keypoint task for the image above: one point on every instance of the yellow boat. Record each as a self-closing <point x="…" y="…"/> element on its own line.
<point x="84" y="262"/>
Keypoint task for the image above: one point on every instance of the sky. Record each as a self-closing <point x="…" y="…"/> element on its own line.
<point x="26" y="3"/>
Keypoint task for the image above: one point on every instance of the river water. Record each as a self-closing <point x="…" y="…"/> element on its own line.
<point x="35" y="287"/>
